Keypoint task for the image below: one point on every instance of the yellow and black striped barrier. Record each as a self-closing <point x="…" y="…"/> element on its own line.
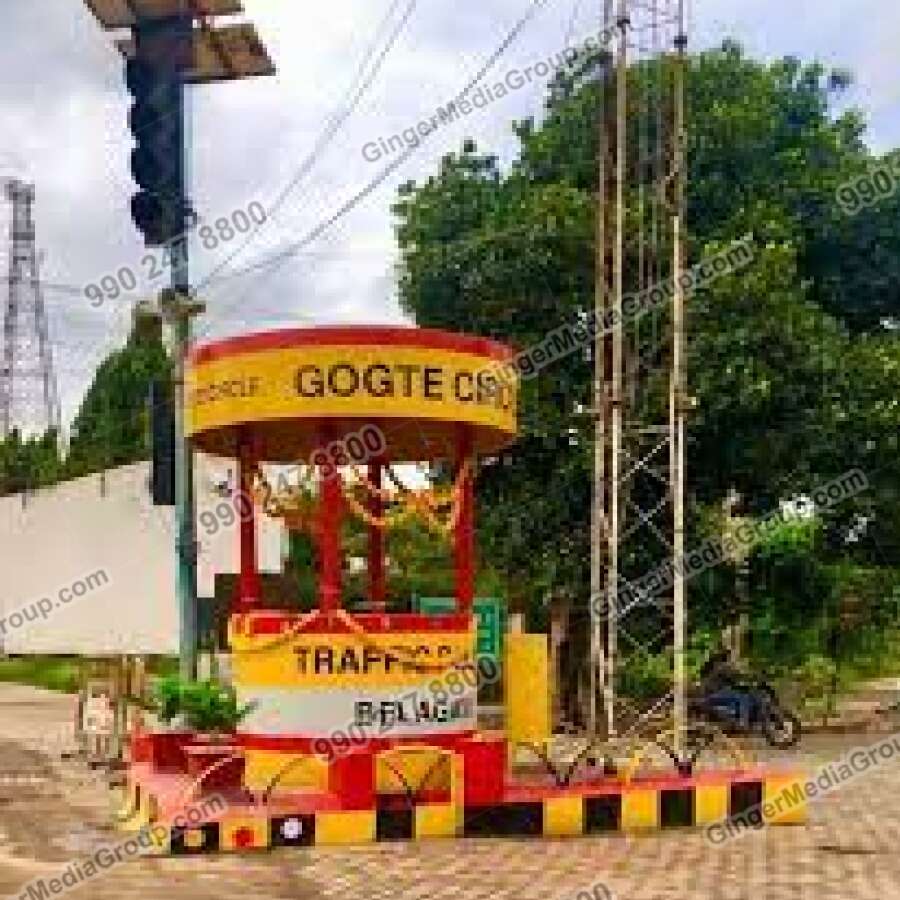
<point x="750" y="801"/>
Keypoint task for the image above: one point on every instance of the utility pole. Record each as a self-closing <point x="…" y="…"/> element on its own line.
<point x="164" y="53"/>
<point x="608" y="368"/>
<point x="162" y="56"/>
<point x="599" y="522"/>
<point x="679" y="399"/>
<point x="616" y="404"/>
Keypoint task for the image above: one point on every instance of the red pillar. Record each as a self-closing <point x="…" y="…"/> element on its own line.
<point x="330" y="514"/>
<point x="464" y="536"/>
<point x="248" y="590"/>
<point x="377" y="589"/>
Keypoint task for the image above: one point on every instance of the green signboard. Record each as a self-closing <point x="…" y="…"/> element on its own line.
<point x="490" y="614"/>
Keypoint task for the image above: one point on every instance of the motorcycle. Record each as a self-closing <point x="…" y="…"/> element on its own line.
<point x="748" y="708"/>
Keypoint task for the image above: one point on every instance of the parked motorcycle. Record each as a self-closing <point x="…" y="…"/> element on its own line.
<point x="748" y="708"/>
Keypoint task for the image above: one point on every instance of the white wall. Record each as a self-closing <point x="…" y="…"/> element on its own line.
<point x="107" y="530"/>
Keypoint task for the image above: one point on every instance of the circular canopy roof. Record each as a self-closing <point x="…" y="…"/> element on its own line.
<point x="295" y="390"/>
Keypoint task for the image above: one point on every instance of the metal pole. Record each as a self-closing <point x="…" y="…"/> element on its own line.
<point x="171" y="24"/>
<point x="622" y="23"/>
<point x="186" y="543"/>
<point x="185" y="548"/>
<point x="599" y="525"/>
<point x="678" y="398"/>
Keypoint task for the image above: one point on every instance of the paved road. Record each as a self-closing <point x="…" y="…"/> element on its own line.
<point x="52" y="813"/>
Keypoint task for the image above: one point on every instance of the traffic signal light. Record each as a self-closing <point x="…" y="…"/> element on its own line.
<point x="156" y="121"/>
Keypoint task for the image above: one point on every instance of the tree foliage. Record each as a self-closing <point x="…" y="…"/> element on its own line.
<point x="112" y="426"/>
<point x="795" y="377"/>
<point x="110" y="429"/>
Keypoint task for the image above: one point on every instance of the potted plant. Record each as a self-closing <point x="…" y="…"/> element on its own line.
<point x="208" y="708"/>
<point x="210" y="713"/>
<point x="163" y="750"/>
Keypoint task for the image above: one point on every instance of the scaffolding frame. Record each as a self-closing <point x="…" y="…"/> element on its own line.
<point x="639" y="458"/>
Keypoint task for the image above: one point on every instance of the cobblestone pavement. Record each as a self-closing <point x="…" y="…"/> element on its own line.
<point x="52" y="813"/>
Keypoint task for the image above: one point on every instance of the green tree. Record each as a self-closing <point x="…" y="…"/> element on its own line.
<point x="28" y="463"/>
<point x="791" y="389"/>
<point x="112" y="424"/>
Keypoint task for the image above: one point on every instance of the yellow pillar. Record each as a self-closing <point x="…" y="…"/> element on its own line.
<point x="527" y="678"/>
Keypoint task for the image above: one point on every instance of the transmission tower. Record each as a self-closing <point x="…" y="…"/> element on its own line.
<point x="29" y="400"/>
<point x="640" y="401"/>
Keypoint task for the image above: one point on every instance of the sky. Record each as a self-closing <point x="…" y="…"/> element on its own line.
<point x="63" y="125"/>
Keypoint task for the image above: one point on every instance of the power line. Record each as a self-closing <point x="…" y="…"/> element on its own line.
<point x="446" y="248"/>
<point x="295" y="248"/>
<point x="338" y="118"/>
<point x="357" y="90"/>
<point x="359" y="85"/>
<point x="279" y="257"/>
<point x="62" y="288"/>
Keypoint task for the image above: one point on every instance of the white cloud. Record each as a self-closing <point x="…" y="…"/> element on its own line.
<point x="63" y="115"/>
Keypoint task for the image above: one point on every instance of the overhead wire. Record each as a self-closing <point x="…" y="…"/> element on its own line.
<point x="273" y="261"/>
<point x="363" y="79"/>
<point x="359" y="86"/>
<point x="296" y="248"/>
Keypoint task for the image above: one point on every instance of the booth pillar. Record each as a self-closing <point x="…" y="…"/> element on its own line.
<point x="464" y="533"/>
<point x="248" y="588"/>
<point x="377" y="591"/>
<point x="330" y="517"/>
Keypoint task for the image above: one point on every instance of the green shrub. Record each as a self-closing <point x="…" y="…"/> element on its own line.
<point x="203" y="706"/>
<point x="52" y="673"/>
<point x="815" y="679"/>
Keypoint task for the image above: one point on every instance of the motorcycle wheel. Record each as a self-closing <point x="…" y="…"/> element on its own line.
<point x="781" y="729"/>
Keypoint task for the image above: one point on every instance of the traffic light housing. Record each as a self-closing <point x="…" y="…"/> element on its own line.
<point x="162" y="443"/>
<point x="156" y="120"/>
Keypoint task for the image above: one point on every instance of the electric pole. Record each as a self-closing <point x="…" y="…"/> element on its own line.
<point x="599" y="520"/>
<point x="679" y="397"/>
